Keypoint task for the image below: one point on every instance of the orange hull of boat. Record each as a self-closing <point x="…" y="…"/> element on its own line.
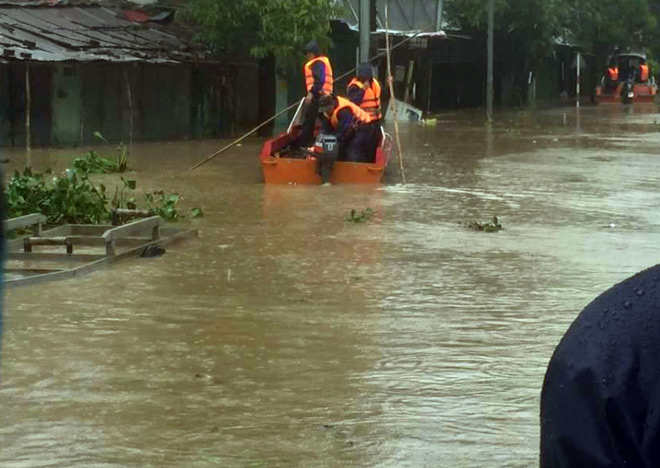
<point x="282" y="170"/>
<point x="643" y="93"/>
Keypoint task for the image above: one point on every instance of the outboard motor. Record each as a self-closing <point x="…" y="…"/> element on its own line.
<point x="627" y="90"/>
<point x="326" y="151"/>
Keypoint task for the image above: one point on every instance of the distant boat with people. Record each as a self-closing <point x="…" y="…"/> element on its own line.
<point x="627" y="80"/>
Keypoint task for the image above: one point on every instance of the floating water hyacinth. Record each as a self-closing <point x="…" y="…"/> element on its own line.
<point x="359" y="216"/>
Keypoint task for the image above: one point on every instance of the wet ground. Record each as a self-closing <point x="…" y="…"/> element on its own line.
<point x="285" y="336"/>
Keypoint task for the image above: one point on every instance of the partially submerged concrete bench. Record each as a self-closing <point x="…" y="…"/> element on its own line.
<point x="34" y="221"/>
<point x="112" y="235"/>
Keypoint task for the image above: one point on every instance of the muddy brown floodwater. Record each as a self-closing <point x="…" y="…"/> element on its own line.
<point x="285" y="336"/>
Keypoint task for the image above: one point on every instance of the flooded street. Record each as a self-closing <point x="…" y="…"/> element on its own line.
<point x="285" y="336"/>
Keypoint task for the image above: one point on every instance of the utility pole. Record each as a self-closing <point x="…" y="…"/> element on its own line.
<point x="489" y="79"/>
<point x="438" y="16"/>
<point x="365" y="29"/>
<point x="577" y="86"/>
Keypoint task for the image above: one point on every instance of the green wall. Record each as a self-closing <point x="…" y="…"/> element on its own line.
<point x="66" y="105"/>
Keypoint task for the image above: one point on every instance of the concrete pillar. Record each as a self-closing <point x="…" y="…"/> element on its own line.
<point x="365" y="29"/>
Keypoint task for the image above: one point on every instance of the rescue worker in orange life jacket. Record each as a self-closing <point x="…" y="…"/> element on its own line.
<point x="643" y="72"/>
<point x="364" y="90"/>
<point x="318" y="82"/>
<point x="611" y="76"/>
<point x="350" y="124"/>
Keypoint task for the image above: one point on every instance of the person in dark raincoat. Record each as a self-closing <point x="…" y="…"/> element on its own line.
<point x="600" y="403"/>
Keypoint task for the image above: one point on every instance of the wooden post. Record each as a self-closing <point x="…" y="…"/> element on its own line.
<point x="430" y="85"/>
<point x="392" y="106"/>
<point x="130" y="111"/>
<point x="491" y="52"/>
<point x="577" y="90"/>
<point x="409" y="75"/>
<point x="28" y="107"/>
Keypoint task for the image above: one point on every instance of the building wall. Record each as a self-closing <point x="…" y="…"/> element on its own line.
<point x="246" y="92"/>
<point x="71" y="102"/>
<point x="165" y="102"/>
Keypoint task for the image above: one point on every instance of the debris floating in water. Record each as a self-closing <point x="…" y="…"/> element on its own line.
<point x="360" y="216"/>
<point x="492" y="226"/>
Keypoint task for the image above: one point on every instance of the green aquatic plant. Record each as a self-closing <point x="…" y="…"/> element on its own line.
<point x="163" y="205"/>
<point x="72" y="198"/>
<point x="159" y="203"/>
<point x="122" y="157"/>
<point x="359" y="216"/>
<point x="92" y="163"/>
<point x="121" y="199"/>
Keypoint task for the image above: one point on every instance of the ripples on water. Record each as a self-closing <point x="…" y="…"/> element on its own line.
<point x="285" y="336"/>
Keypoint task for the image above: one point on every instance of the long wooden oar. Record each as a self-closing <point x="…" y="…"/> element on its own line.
<point x="392" y="99"/>
<point x="238" y="140"/>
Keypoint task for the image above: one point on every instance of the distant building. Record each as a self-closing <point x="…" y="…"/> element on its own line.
<point x="438" y="69"/>
<point x="123" y="73"/>
<point x="445" y="68"/>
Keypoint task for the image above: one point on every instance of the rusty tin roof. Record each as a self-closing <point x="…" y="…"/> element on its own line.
<point x="89" y="33"/>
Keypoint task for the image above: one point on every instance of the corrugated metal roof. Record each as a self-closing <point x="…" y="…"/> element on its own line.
<point x="86" y="34"/>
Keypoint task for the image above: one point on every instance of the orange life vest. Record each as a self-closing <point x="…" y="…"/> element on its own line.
<point x="613" y="73"/>
<point x="371" y="101"/>
<point x="359" y="116"/>
<point x="309" y="77"/>
<point x="643" y="73"/>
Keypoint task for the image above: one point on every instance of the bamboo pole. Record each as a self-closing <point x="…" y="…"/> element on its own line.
<point x="238" y="140"/>
<point x="392" y="106"/>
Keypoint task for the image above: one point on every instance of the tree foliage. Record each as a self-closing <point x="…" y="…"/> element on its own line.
<point x="527" y="25"/>
<point x="262" y="27"/>
<point x="604" y="25"/>
<point x="530" y="25"/>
